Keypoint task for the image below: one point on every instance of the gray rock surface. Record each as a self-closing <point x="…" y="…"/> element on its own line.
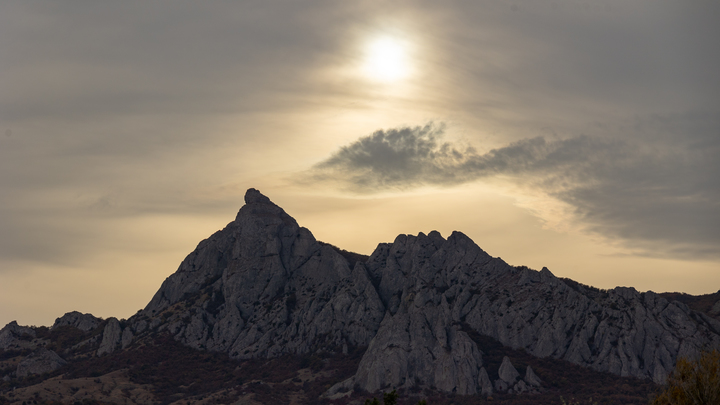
<point x="531" y="378"/>
<point x="111" y="337"/>
<point x="520" y="387"/>
<point x="39" y="361"/>
<point x="14" y="336"/>
<point x="263" y="287"/>
<point x="84" y="322"/>
<point x="127" y="338"/>
<point x="508" y="372"/>
<point x="715" y="310"/>
<point x="484" y="382"/>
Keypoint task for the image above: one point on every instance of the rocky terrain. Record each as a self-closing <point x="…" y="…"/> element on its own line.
<point x="425" y="314"/>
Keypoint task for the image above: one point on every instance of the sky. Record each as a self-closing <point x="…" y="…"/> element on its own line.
<point x="577" y="135"/>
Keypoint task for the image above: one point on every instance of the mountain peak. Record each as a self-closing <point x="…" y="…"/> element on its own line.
<point x="253" y="196"/>
<point x="260" y="210"/>
<point x="421" y="312"/>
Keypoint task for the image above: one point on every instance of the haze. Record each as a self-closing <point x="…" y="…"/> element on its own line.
<point x="578" y="135"/>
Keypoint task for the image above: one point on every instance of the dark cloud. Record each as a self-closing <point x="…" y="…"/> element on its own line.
<point x="400" y="158"/>
<point x="654" y="191"/>
<point x="413" y="156"/>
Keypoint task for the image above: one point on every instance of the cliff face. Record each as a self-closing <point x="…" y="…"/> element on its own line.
<point x="263" y="287"/>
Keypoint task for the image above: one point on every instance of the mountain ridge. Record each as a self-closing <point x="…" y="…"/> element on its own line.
<point x="263" y="288"/>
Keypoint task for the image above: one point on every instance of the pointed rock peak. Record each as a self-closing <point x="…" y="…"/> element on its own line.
<point x="507" y="371"/>
<point x="457" y="235"/>
<point x="532" y="378"/>
<point x="258" y="205"/>
<point x="435" y="235"/>
<point x="253" y="196"/>
<point x="547" y="273"/>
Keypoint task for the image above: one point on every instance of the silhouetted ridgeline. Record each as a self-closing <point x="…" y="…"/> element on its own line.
<point x="261" y="311"/>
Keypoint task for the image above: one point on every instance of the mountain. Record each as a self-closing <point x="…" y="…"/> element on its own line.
<point x="421" y="314"/>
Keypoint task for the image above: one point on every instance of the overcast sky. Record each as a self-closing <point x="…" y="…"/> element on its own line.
<point x="579" y="135"/>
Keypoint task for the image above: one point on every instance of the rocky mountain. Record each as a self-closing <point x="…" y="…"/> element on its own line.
<point x="264" y="288"/>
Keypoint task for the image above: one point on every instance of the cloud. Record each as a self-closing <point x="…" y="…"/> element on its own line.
<point x="394" y="158"/>
<point x="408" y="157"/>
<point x="655" y="191"/>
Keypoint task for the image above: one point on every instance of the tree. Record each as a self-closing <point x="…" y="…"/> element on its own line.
<point x="693" y="382"/>
<point x="389" y="398"/>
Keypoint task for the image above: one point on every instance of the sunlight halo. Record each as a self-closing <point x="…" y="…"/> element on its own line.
<point x="386" y="59"/>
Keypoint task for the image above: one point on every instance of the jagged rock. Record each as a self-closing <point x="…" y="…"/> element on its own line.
<point x="418" y="343"/>
<point x="507" y="372"/>
<point x="520" y="387"/>
<point x="715" y="310"/>
<point x="14" y="336"/>
<point x="40" y="361"/>
<point x="501" y="386"/>
<point x="408" y="350"/>
<point x="263" y="287"/>
<point x="484" y="382"/>
<point x="531" y="378"/>
<point x="111" y="337"/>
<point x="84" y="322"/>
<point x="127" y="338"/>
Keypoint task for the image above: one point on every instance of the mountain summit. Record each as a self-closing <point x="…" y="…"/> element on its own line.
<point x="264" y="287"/>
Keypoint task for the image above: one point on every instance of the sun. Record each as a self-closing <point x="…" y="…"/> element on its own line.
<point x="386" y="59"/>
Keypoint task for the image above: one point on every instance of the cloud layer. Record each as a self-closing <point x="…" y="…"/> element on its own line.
<point x="654" y="192"/>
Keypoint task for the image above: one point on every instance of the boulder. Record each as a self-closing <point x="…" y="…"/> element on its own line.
<point x="39" y="361"/>
<point x="111" y="337"/>
<point x="84" y="322"/>
<point x="14" y="336"/>
<point x="507" y="372"/>
<point x="531" y="378"/>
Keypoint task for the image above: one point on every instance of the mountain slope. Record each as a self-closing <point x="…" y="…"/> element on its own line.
<point x="419" y="309"/>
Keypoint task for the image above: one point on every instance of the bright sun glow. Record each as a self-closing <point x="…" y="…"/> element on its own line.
<point x="386" y="59"/>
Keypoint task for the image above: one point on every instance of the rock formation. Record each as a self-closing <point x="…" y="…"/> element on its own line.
<point x="531" y="378"/>
<point x="84" y="322"/>
<point x="14" y="336"/>
<point x="263" y="287"/>
<point x="39" y="361"/>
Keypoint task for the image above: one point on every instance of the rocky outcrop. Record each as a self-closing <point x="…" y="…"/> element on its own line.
<point x="507" y="373"/>
<point x="715" y="310"/>
<point x="263" y="287"/>
<point x="14" y="336"/>
<point x="531" y="378"/>
<point x="40" y="361"/>
<point x="619" y="331"/>
<point x="84" y="322"/>
<point x="510" y="380"/>
<point x="111" y="337"/>
<point x="484" y="383"/>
